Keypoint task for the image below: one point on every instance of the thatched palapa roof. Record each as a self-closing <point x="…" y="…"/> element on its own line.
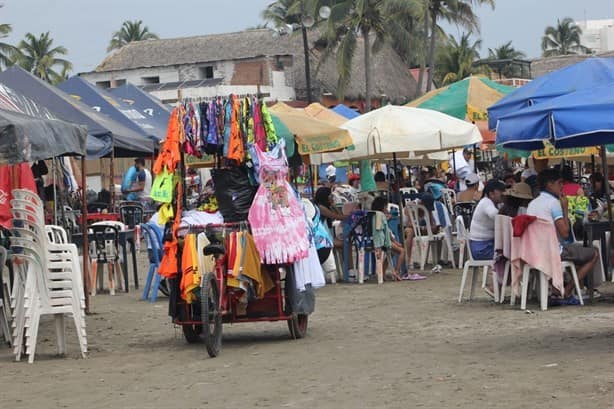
<point x="390" y="75"/>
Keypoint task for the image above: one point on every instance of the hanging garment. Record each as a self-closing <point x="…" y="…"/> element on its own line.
<point x="162" y="187"/>
<point x="380" y="232"/>
<point x="168" y="265"/>
<point x="267" y="121"/>
<point x="169" y="153"/>
<point x="309" y="271"/>
<point x="206" y="264"/>
<point x="236" y="148"/>
<point x="252" y="266"/>
<point x="212" y="145"/>
<point x="227" y="120"/>
<point x="276" y="216"/>
<point x="190" y="278"/>
<point x="189" y="145"/>
<point x="259" y="132"/>
<point x="248" y="115"/>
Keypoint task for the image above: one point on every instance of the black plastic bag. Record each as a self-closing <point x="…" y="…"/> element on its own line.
<point x="233" y="192"/>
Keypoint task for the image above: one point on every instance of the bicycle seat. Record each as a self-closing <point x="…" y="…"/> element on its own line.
<point x="214" y="250"/>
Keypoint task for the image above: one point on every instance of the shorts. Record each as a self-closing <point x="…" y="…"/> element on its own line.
<point x="482" y="250"/>
<point x="577" y="253"/>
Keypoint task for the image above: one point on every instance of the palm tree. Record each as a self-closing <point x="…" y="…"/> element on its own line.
<point x="406" y="31"/>
<point x="563" y="39"/>
<point x="458" y="12"/>
<point x="129" y="32"/>
<point x="503" y="56"/>
<point x="282" y="12"/>
<point x="369" y="19"/>
<point x="7" y="51"/>
<point x="456" y="59"/>
<point x="38" y="56"/>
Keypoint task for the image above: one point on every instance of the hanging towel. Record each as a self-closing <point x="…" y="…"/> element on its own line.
<point x="190" y="278"/>
<point x="521" y="223"/>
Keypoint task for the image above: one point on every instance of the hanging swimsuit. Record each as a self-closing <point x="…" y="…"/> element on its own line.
<point x="276" y="216"/>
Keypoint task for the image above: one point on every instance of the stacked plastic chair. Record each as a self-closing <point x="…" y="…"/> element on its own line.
<point x="48" y="278"/>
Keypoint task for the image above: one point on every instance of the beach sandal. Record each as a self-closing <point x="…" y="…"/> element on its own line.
<point x="413" y="277"/>
<point x="488" y="291"/>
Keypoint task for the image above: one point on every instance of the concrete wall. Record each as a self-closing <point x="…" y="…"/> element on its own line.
<point x="543" y="66"/>
<point x="166" y="74"/>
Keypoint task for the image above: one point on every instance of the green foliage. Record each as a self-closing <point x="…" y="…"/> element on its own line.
<point x="129" y="32"/>
<point x="38" y="56"/>
<point x="505" y="52"/>
<point x="455" y="59"/>
<point x="564" y="39"/>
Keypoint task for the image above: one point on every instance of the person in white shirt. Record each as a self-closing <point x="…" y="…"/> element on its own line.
<point x="551" y="205"/>
<point x="482" y="231"/>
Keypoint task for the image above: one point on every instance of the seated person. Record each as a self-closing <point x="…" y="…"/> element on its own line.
<point x="552" y="205"/>
<point x="482" y="230"/>
<point x="516" y="200"/>
<point x="472" y="181"/>
<point x="380" y="204"/>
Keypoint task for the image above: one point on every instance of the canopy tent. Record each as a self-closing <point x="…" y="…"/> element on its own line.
<point x="586" y="74"/>
<point x="106" y="104"/>
<point x="401" y="131"/>
<point x="466" y="99"/>
<point x="145" y="103"/>
<point x="321" y="113"/>
<point x="345" y="111"/>
<point x="312" y="135"/>
<point x="24" y="138"/>
<point x="582" y="118"/>
<point x="11" y="100"/>
<point x="126" y="142"/>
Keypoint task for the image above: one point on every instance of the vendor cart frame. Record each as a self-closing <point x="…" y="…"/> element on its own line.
<point x="202" y="321"/>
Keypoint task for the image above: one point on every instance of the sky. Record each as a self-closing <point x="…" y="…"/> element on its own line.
<point x="85" y="27"/>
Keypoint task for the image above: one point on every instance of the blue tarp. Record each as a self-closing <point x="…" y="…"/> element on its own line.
<point x="14" y="101"/>
<point x="578" y="119"/>
<point x="145" y="103"/>
<point x="346" y="112"/>
<point x="586" y="74"/>
<point x="105" y="103"/>
<point x="126" y="142"/>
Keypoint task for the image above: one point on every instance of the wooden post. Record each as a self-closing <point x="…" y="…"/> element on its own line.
<point x="86" y="246"/>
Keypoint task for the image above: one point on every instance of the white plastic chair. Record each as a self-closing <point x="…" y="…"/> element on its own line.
<point x="47" y="280"/>
<point x="475" y="264"/>
<point x="423" y="241"/>
<point x="449" y="199"/>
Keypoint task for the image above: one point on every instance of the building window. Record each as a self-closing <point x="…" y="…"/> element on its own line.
<point x="119" y="83"/>
<point x="103" y="84"/>
<point x="206" y="72"/>
<point x="150" y="80"/>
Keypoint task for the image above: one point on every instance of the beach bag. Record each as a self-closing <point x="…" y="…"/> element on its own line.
<point x="162" y="187"/>
<point x="321" y="235"/>
<point x="233" y="192"/>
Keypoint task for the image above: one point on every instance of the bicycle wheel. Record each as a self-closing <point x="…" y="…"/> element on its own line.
<point x="298" y="325"/>
<point x="211" y="315"/>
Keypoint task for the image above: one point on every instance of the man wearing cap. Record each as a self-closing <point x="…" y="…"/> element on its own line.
<point x="472" y="181"/>
<point x="482" y="231"/>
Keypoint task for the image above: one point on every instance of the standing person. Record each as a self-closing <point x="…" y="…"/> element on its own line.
<point x="141" y="185"/>
<point x="552" y="205"/>
<point x="482" y="231"/>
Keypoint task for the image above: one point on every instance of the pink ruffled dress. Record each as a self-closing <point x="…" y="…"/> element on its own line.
<point x="276" y="216"/>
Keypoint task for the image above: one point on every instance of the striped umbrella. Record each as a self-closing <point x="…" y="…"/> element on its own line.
<point x="466" y="99"/>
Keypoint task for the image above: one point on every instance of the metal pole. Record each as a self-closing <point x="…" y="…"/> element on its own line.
<point x="604" y="165"/>
<point x="55" y="193"/>
<point x="112" y="181"/>
<point x="307" y="68"/>
<point x="86" y="246"/>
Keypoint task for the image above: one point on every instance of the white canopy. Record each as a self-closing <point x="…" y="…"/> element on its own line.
<point x="403" y="131"/>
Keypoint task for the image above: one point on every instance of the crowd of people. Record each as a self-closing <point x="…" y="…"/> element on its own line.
<point x="552" y="194"/>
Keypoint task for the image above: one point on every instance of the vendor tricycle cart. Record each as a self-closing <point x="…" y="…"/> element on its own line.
<point x="220" y="303"/>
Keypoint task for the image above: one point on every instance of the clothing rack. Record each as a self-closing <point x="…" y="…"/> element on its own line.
<point x="199" y="228"/>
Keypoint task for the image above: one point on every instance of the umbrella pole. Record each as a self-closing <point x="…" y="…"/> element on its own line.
<point x="604" y="165"/>
<point x="86" y="249"/>
<point x="112" y="181"/>
<point x="456" y="185"/>
<point x="475" y="159"/>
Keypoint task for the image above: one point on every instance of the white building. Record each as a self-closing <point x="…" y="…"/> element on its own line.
<point x="597" y="35"/>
